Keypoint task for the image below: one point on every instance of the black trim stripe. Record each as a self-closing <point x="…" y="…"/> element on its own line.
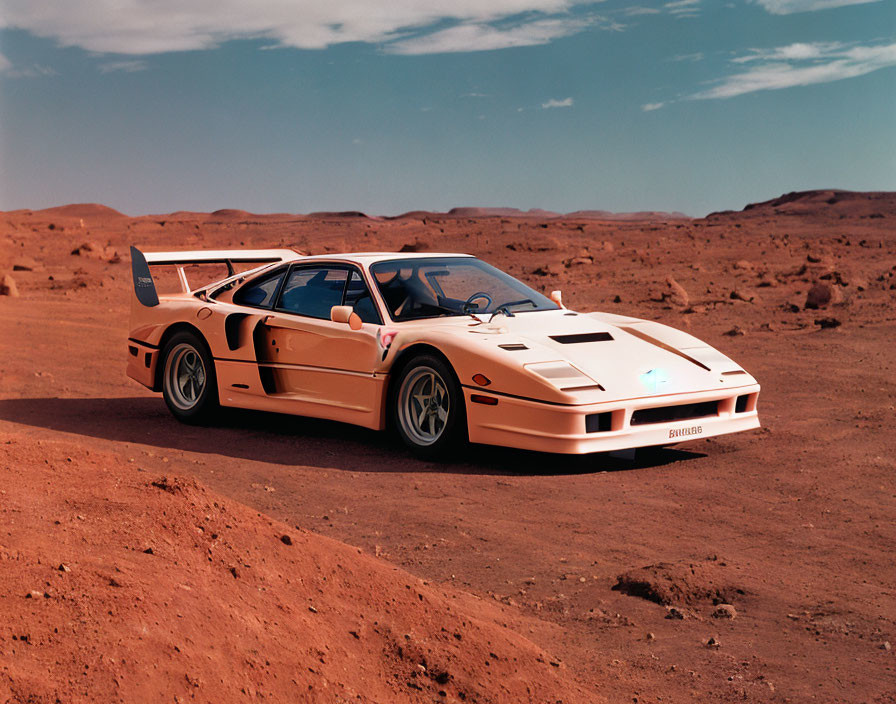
<point x="145" y="344"/>
<point x="521" y="398"/>
<point x="582" y="337"/>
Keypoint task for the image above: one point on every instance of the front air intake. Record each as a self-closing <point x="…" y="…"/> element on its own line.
<point x="668" y="414"/>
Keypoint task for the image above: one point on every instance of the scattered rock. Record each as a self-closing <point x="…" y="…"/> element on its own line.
<point x="578" y="261"/>
<point x="735" y="331"/>
<point x="738" y="295"/>
<point x="416" y="246"/>
<point x="713" y="642"/>
<point x="285" y="539"/>
<point x="677" y="583"/>
<point x="724" y="611"/>
<point x="543" y="271"/>
<point x="64" y="568"/>
<point x="743" y="265"/>
<point x="24" y="265"/>
<point x="827" y="323"/>
<point x="674" y="614"/>
<point x="8" y="287"/>
<point x="822" y="295"/>
<point x="677" y="295"/>
<point x="34" y="595"/>
<point x="886" y="645"/>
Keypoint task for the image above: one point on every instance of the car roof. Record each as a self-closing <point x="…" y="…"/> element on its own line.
<point x="368" y="258"/>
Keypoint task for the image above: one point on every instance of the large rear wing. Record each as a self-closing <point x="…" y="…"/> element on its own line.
<point x="144" y="286"/>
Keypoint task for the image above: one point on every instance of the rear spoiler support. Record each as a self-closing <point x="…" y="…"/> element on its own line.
<point x="145" y="288"/>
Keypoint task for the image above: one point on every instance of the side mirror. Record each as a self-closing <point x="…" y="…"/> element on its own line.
<point x="345" y="314"/>
<point x="557" y="297"/>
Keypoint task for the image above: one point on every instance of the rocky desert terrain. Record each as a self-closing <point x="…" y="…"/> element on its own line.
<point x="281" y="559"/>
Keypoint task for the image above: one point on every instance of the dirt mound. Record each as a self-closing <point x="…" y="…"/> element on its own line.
<point x="81" y="210"/>
<point x="158" y="589"/>
<point x="680" y="583"/>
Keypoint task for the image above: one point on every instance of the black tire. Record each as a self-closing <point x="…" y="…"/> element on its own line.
<point x="189" y="383"/>
<point x="435" y="428"/>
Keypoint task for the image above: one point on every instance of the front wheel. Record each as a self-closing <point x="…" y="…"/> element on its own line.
<point x="428" y="408"/>
<point x="189" y="384"/>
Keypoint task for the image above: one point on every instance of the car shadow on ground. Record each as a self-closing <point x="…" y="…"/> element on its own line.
<point x="298" y="441"/>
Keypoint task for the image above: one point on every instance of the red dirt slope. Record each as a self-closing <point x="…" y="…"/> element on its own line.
<point x="127" y="586"/>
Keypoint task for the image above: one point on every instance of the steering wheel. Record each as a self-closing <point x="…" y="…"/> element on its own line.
<point x="468" y="304"/>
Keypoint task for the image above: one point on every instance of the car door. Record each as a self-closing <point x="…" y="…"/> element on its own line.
<point x="305" y="356"/>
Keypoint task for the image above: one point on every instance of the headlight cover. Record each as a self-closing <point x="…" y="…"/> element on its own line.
<point x="563" y="376"/>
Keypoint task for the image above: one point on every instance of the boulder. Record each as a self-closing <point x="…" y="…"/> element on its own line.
<point x="822" y="295"/>
<point x="8" y="287"/>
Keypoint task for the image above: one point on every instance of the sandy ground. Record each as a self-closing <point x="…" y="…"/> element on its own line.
<point x="793" y="525"/>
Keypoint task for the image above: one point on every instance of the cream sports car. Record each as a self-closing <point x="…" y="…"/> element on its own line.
<point x="441" y="347"/>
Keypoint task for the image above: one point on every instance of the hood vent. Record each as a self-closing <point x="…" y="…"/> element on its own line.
<point x="514" y="347"/>
<point x="582" y="337"/>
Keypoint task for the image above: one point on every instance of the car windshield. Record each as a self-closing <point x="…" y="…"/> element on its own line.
<point x="445" y="286"/>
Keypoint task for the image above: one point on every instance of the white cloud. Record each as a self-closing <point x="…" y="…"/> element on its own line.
<point x="32" y="71"/>
<point x="637" y="10"/>
<point x="485" y="37"/>
<point x="800" y="65"/>
<point x="139" y="27"/>
<point x="683" y="8"/>
<point x="696" y="56"/>
<point x="649" y="107"/>
<point x="787" y="7"/>
<point x="792" y="52"/>
<point x="554" y="103"/>
<point x="123" y="66"/>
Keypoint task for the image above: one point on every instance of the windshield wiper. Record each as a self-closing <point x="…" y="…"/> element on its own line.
<point x="505" y="307"/>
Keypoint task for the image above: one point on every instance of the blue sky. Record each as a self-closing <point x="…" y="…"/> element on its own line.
<point x="302" y="105"/>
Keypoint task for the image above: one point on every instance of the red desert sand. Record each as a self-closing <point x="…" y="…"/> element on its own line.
<point x="281" y="559"/>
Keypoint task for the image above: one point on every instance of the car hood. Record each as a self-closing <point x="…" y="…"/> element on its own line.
<point x="626" y="357"/>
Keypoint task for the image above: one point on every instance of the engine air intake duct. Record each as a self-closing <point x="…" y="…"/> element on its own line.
<point x="667" y="414"/>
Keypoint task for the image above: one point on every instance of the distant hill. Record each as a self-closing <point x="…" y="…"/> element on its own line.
<point x="823" y="203"/>
<point x="538" y="213"/>
<point x="81" y="210"/>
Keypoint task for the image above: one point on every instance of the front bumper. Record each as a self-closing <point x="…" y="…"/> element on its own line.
<point x="534" y="425"/>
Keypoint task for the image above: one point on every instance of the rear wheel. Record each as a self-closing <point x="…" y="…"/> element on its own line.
<point x="189" y="384"/>
<point x="428" y="408"/>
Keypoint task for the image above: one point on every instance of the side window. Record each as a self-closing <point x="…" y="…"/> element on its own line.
<point x="260" y="293"/>
<point x="312" y="291"/>
<point x="358" y="297"/>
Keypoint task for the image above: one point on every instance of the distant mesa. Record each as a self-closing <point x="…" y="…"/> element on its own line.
<point x="638" y="215"/>
<point x="82" y="210"/>
<point x="501" y="213"/>
<point x="539" y="214"/>
<point x="859" y="204"/>
<point x="231" y="214"/>
<point x="341" y="215"/>
<point x="416" y="215"/>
